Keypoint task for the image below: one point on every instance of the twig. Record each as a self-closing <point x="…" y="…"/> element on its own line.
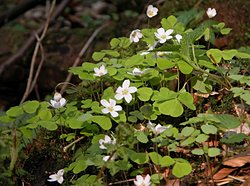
<point x="81" y="53"/>
<point x="74" y="142"/>
<point x="28" y="44"/>
<point x="123" y="181"/>
<point x="38" y="44"/>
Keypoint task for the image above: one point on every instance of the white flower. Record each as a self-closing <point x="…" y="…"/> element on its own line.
<point x="152" y="11"/>
<point x="106" y="140"/>
<point x="105" y="158"/>
<point x="151" y="47"/>
<point x="135" y="36"/>
<point x="57" y="177"/>
<point x="163" y="35"/>
<point x="110" y="107"/>
<point x="100" y="71"/>
<point x="140" y="181"/>
<point x="178" y="37"/>
<point x="156" y="129"/>
<point x="125" y="91"/>
<point x="211" y="12"/>
<point x="137" y="72"/>
<point x="58" y="101"/>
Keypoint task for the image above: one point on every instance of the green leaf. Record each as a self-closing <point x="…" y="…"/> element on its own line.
<point x="114" y="43"/>
<point x="166" y="161"/>
<point x="188" y="141"/>
<point x="141" y="137"/>
<point x="45" y="114"/>
<point x="233" y="138"/>
<point x="227" y="121"/>
<point x="169" y="22"/>
<point x="112" y="53"/>
<point x="163" y="63"/>
<point x="212" y="152"/>
<point x="146" y="110"/>
<point x="137" y="157"/>
<point x="144" y="93"/>
<point x="229" y="54"/>
<point x="80" y="166"/>
<point x="201" y="138"/>
<point x="184" y="67"/>
<point x="187" y="99"/>
<point x="30" y="106"/>
<point x="75" y="123"/>
<point x="103" y="121"/>
<point x="15" y="111"/>
<point x="187" y="131"/>
<point x="225" y="31"/>
<point x="214" y="54"/>
<point x="89" y="67"/>
<point x="171" y="107"/>
<point x="155" y="157"/>
<point x="209" y="129"/>
<point x="48" y="125"/>
<point x="198" y="151"/>
<point x="97" y="56"/>
<point x="181" y="168"/>
<point x="156" y="178"/>
<point x="135" y="60"/>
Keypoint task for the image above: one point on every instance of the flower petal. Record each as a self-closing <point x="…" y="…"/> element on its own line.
<point x="112" y="102"/>
<point x="117" y="108"/>
<point x="114" y="114"/>
<point x="132" y="89"/>
<point x="105" y="111"/>
<point x="119" y="96"/>
<point x="169" y="31"/>
<point x="105" y="103"/>
<point x="125" y="83"/>
<point x="128" y="98"/>
<point x="62" y="102"/>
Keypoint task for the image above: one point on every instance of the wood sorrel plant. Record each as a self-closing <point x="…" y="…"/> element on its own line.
<point x="131" y="111"/>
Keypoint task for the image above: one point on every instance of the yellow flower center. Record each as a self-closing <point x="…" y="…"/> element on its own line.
<point x="150" y="13"/>
<point x="125" y="92"/>
<point x="110" y="109"/>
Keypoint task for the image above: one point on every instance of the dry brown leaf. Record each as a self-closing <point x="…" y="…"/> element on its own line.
<point x="223" y="173"/>
<point x="175" y="182"/>
<point x="237" y="161"/>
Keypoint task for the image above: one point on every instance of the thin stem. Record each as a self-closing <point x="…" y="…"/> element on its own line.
<point x="72" y="143"/>
<point x="210" y="173"/>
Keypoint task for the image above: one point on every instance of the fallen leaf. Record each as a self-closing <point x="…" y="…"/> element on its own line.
<point x="237" y="161"/>
<point x="222" y="173"/>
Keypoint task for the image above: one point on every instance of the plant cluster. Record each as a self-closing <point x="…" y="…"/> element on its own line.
<point x="133" y="117"/>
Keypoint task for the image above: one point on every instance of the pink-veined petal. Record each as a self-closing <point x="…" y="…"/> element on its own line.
<point x="125" y="84"/>
<point x="161" y="31"/>
<point x="105" y="111"/>
<point x="62" y="102"/>
<point x="132" y="89"/>
<point x="60" y="172"/>
<point x="147" y="179"/>
<point x="169" y="31"/>
<point x="112" y="102"/>
<point x="117" y="108"/>
<point x="107" y="139"/>
<point x="60" y="180"/>
<point x="119" y="96"/>
<point x="114" y="114"/>
<point x="52" y="177"/>
<point x="128" y="98"/>
<point x="119" y="90"/>
<point x="105" y="103"/>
